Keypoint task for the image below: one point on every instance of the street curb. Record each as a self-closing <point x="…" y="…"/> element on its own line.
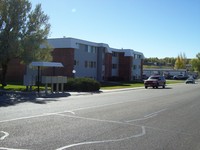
<point x="54" y="95"/>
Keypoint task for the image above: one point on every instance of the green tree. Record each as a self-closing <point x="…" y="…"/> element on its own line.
<point x="180" y="62"/>
<point x="22" y="32"/>
<point x="170" y="61"/>
<point x="196" y="63"/>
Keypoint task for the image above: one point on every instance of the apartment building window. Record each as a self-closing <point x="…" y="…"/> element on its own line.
<point x="91" y="49"/>
<point x="90" y="64"/>
<point x="83" y="47"/>
<point x="88" y="48"/>
<point x="134" y="67"/>
<point x="137" y="56"/>
<point x="86" y="64"/>
<point x="114" y="66"/>
<point x="93" y="64"/>
<point x="76" y="63"/>
<point x="94" y="49"/>
<point x="114" y="54"/>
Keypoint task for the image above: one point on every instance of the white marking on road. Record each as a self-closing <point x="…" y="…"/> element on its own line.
<point x="49" y="114"/>
<point x="5" y="135"/>
<point x="76" y="109"/>
<point x="144" y="118"/>
<point x="23" y="118"/>
<point x="94" y="119"/>
<point x="5" y="148"/>
<point x="71" y="112"/>
<point x="155" y="112"/>
<point x="36" y="116"/>
<point x="151" y="115"/>
<point x="105" y="141"/>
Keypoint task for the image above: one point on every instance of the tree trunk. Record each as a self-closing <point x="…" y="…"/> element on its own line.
<point x="4" y="71"/>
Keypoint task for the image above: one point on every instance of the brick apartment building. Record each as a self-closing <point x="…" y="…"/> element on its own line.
<point x="88" y="59"/>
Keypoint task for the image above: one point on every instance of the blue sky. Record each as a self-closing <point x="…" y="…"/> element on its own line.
<point x="157" y="28"/>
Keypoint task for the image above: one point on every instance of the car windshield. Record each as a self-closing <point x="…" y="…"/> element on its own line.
<point x="154" y="77"/>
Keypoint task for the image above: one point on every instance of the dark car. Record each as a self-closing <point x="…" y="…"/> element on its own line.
<point x="190" y="80"/>
<point x="155" y="81"/>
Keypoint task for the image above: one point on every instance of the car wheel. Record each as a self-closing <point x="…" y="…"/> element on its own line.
<point x="146" y="87"/>
<point x="163" y="86"/>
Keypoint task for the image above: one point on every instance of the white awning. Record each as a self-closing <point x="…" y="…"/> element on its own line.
<point x="46" y="64"/>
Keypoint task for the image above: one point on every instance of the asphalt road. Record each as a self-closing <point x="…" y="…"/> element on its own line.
<point x="136" y="119"/>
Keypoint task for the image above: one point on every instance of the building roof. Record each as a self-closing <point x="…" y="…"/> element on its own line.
<point x="74" y="43"/>
<point x="128" y="52"/>
<point x="46" y="64"/>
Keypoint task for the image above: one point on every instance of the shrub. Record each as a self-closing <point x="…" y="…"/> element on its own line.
<point x="82" y="85"/>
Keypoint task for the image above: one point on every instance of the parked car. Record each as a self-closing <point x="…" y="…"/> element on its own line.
<point x="155" y="81"/>
<point x="180" y="77"/>
<point x="190" y="80"/>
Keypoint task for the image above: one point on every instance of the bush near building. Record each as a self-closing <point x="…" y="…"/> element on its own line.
<point x="82" y="85"/>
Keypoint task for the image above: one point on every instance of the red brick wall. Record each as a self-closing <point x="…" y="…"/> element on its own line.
<point x="125" y="65"/>
<point x="16" y="70"/>
<point x="108" y="65"/>
<point x="66" y="57"/>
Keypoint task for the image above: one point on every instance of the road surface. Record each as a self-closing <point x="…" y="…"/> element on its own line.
<point x="140" y="119"/>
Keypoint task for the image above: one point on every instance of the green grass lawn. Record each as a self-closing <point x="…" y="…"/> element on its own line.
<point x="18" y="87"/>
<point x="121" y="85"/>
<point x="175" y="81"/>
<point x="110" y="86"/>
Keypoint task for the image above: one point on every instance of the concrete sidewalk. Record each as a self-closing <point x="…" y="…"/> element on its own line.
<point x="42" y="94"/>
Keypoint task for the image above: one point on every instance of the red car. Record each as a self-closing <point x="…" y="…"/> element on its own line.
<point x="155" y="81"/>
